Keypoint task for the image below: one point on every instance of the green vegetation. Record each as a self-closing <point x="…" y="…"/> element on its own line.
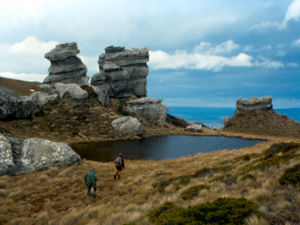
<point x="229" y="211"/>
<point x="291" y="176"/>
<point x="193" y="191"/>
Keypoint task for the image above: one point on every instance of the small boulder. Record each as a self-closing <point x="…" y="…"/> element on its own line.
<point x="254" y="103"/>
<point x="72" y="90"/>
<point x="194" y="128"/>
<point x="128" y="125"/>
<point x="6" y="155"/>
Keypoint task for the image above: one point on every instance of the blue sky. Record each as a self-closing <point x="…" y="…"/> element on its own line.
<point x="202" y="53"/>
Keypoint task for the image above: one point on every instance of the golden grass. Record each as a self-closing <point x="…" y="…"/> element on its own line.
<point x="58" y="195"/>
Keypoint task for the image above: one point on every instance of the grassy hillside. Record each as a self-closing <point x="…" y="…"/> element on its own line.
<point x="263" y="123"/>
<point x="256" y="174"/>
<point x="21" y="88"/>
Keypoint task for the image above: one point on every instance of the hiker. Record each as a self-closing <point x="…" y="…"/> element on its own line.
<point x="90" y="179"/>
<point x="119" y="163"/>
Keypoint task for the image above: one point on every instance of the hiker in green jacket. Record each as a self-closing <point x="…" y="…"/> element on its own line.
<point x="90" y="180"/>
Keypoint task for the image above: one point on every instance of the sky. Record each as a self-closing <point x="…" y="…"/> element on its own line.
<point x="202" y="53"/>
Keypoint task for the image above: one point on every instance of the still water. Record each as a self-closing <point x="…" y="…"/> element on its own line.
<point x="159" y="148"/>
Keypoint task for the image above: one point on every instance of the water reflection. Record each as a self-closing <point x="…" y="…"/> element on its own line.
<point x="160" y="148"/>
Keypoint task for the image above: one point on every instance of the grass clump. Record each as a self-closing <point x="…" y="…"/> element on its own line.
<point x="191" y="192"/>
<point x="291" y="176"/>
<point x="177" y="181"/>
<point x="223" y="211"/>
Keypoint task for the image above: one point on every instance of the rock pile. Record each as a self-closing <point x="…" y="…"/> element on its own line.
<point x="148" y="107"/>
<point x="122" y="72"/>
<point x="66" y="67"/>
<point x="254" y="103"/>
<point x="20" y="156"/>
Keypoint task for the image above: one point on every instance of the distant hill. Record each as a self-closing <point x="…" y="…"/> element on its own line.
<point x="19" y="87"/>
<point x="263" y="123"/>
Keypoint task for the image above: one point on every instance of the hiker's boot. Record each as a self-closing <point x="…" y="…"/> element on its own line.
<point x="119" y="177"/>
<point x="115" y="176"/>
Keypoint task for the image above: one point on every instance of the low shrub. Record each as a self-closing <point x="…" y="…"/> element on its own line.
<point x="291" y="176"/>
<point x="204" y="172"/>
<point x="192" y="192"/>
<point x="249" y="177"/>
<point x="223" y="211"/>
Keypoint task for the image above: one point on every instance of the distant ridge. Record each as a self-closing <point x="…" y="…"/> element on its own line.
<point x="19" y="87"/>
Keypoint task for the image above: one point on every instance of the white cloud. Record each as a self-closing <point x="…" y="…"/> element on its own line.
<point x="294" y="65"/>
<point x="296" y="43"/>
<point x="181" y="59"/>
<point x="203" y="59"/>
<point x="293" y="12"/>
<point x="24" y="76"/>
<point x="267" y="24"/>
<point x="268" y="63"/>
<point x="224" y="47"/>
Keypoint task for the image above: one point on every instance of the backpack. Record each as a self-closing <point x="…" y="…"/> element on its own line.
<point x="118" y="161"/>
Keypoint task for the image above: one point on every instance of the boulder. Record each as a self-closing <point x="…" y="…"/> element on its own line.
<point x="40" y="154"/>
<point x="122" y="72"/>
<point x="20" y="156"/>
<point x="97" y="92"/>
<point x="42" y="98"/>
<point x="148" y="107"/>
<point x="128" y="125"/>
<point x="14" y="107"/>
<point x="65" y="66"/>
<point x="6" y="156"/>
<point x="194" y="128"/>
<point x="70" y="90"/>
<point x="254" y="103"/>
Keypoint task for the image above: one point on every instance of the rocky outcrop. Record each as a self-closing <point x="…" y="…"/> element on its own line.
<point x="254" y="103"/>
<point x="128" y="125"/>
<point x="20" y="156"/>
<point x="14" y="107"/>
<point x="122" y="72"/>
<point x="66" y="67"/>
<point x="194" y="128"/>
<point x="148" y="107"/>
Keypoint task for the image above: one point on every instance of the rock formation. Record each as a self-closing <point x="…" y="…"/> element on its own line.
<point x="20" y="156"/>
<point x="66" y="67"/>
<point x="194" y="128"/>
<point x="148" y="107"/>
<point x="122" y="72"/>
<point x="128" y="125"/>
<point x="14" y="107"/>
<point x="254" y="103"/>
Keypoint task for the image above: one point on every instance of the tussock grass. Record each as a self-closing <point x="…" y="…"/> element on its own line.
<point x="58" y="195"/>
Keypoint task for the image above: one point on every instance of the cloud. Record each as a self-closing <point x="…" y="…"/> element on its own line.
<point x="24" y="76"/>
<point x="293" y="12"/>
<point x="205" y="57"/>
<point x="267" y="24"/>
<point x="296" y="43"/>
<point x="224" y="47"/>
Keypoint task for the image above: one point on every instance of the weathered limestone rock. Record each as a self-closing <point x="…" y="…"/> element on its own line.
<point x="42" y="98"/>
<point x="20" y="156"/>
<point x="14" y="107"/>
<point x="122" y="72"/>
<point x="194" y="128"/>
<point x="148" y="107"/>
<point x="6" y="157"/>
<point x="40" y="154"/>
<point x="66" y="67"/>
<point x="71" y="90"/>
<point x="254" y="103"/>
<point x="128" y="125"/>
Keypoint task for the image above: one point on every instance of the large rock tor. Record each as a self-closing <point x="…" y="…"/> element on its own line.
<point x="148" y="107"/>
<point x="66" y="67"/>
<point x="254" y="103"/>
<point x="123" y="72"/>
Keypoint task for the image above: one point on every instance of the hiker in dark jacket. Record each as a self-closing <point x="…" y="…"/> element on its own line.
<point x="120" y="164"/>
<point x="90" y="180"/>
